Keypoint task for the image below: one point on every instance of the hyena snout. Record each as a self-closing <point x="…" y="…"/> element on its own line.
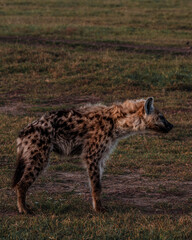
<point x="167" y="126"/>
<point x="162" y="125"/>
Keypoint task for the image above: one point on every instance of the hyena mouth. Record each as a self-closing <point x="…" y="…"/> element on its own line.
<point x="164" y="129"/>
<point x="168" y="126"/>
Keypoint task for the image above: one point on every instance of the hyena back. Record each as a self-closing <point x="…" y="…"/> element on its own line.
<point x="91" y="132"/>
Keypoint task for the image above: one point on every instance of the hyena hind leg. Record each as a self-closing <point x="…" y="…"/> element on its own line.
<point x="21" y="191"/>
<point x="32" y="170"/>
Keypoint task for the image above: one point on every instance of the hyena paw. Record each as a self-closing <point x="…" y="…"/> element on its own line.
<point x="101" y="209"/>
<point x="25" y="210"/>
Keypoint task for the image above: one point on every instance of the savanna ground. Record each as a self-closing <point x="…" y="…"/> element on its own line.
<point x="62" y="54"/>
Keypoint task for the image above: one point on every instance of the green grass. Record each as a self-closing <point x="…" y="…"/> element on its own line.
<point x="119" y="225"/>
<point x="148" y="22"/>
<point x="42" y="74"/>
<point x="36" y="77"/>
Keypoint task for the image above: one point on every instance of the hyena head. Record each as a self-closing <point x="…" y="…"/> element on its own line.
<point x="154" y="119"/>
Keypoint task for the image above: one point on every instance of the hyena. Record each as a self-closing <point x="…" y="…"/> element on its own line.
<point x="91" y="132"/>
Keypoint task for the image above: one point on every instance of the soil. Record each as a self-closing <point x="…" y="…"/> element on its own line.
<point x="15" y="106"/>
<point x="150" y="196"/>
<point x="132" y="189"/>
<point x="120" y="46"/>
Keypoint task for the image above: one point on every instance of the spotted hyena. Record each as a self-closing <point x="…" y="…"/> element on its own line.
<point x="91" y="132"/>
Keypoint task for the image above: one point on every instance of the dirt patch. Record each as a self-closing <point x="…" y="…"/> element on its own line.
<point x="98" y="45"/>
<point x="17" y="108"/>
<point x="20" y="108"/>
<point x="132" y="189"/>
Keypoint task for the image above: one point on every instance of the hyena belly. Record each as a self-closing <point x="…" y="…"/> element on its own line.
<point x="70" y="129"/>
<point x="69" y="147"/>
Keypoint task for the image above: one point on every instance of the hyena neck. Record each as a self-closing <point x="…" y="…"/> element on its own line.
<point x="130" y="125"/>
<point x="131" y="106"/>
<point x="132" y="122"/>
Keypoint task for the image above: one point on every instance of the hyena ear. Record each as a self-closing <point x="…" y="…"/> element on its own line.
<point x="149" y="105"/>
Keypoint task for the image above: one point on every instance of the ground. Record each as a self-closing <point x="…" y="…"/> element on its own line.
<point x="63" y="54"/>
<point x="131" y="190"/>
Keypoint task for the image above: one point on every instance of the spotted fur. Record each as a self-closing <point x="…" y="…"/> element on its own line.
<point x="91" y="132"/>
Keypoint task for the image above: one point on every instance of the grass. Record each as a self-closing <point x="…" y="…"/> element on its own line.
<point x="95" y="227"/>
<point x="39" y="74"/>
<point x="157" y="22"/>
<point x="147" y="180"/>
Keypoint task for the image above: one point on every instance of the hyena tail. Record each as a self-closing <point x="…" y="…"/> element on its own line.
<point x="20" y="166"/>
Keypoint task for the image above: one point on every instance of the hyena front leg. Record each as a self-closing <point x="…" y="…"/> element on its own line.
<point x="95" y="182"/>
<point x="34" y="164"/>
